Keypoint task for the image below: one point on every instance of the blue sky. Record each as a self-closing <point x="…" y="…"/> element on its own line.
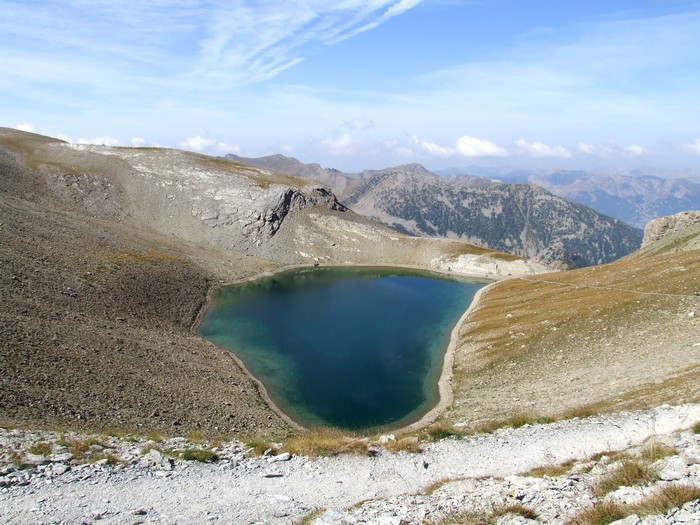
<point x="363" y="84"/>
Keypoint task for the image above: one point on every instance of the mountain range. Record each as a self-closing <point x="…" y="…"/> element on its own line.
<point x="635" y="197"/>
<point x="522" y="219"/>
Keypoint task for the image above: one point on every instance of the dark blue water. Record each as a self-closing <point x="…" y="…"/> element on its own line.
<point x="354" y="348"/>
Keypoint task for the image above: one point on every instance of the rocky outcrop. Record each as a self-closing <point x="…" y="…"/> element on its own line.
<point x="488" y="266"/>
<point x="665" y="226"/>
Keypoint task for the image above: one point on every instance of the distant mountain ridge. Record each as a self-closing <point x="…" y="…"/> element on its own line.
<point x="634" y="197"/>
<point x="522" y="219"/>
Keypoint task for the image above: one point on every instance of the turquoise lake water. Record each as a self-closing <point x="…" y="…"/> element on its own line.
<point x="354" y="348"/>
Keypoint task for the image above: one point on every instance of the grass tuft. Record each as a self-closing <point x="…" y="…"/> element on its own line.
<point x="657" y="503"/>
<point x="311" y="516"/>
<point x="551" y="470"/>
<point x="258" y="446"/>
<point x="41" y="448"/>
<point x="472" y="518"/>
<point x="655" y="450"/>
<point x="517" y="509"/>
<point x="696" y="428"/>
<point x="462" y="518"/>
<point x="667" y="498"/>
<point x="628" y="474"/>
<point x="193" y="454"/>
<point x="443" y="431"/>
<point x="601" y="514"/>
<point x="409" y="444"/>
<point x="196" y="437"/>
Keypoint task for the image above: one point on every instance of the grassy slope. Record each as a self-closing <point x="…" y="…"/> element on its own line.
<point x="600" y="338"/>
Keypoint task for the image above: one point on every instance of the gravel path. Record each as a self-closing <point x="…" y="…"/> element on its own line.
<point x="250" y="490"/>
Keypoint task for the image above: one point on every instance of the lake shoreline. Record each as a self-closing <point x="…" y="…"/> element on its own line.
<point x="445" y="396"/>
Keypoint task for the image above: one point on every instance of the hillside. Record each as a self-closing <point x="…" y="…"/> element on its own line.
<point x="617" y="336"/>
<point x="107" y="256"/>
<point x="522" y="219"/>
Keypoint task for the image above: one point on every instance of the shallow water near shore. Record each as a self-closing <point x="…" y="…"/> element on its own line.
<point x="354" y="348"/>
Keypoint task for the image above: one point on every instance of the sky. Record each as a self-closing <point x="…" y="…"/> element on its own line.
<point x="355" y="84"/>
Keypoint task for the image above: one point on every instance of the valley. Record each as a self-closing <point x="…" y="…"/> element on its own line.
<point x="108" y="256"/>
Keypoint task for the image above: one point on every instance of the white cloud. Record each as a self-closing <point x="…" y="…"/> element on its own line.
<point x="636" y="150"/>
<point x="25" y="127"/>
<point x="343" y="144"/>
<point x="693" y="148"/>
<point x="587" y="149"/>
<point x="474" y="147"/>
<point x="104" y="141"/>
<point x="540" y="150"/>
<point x="138" y="142"/>
<point x="606" y="151"/>
<point x="430" y="148"/>
<point x="206" y="145"/>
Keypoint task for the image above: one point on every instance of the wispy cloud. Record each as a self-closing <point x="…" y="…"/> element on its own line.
<point x="249" y="42"/>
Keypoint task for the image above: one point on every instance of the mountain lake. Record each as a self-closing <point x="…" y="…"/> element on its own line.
<point x="353" y="348"/>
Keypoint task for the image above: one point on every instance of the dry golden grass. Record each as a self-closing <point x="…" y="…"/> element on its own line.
<point x="325" y="442"/>
<point x="521" y="324"/>
<point x="435" y="485"/>
<point x="409" y="444"/>
<point x="654" y="450"/>
<point x="550" y="470"/>
<point x="657" y="503"/>
<point x="474" y="518"/>
<point x="628" y="474"/>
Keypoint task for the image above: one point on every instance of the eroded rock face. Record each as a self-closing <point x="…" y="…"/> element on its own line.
<point x="664" y="226"/>
<point x="194" y="197"/>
